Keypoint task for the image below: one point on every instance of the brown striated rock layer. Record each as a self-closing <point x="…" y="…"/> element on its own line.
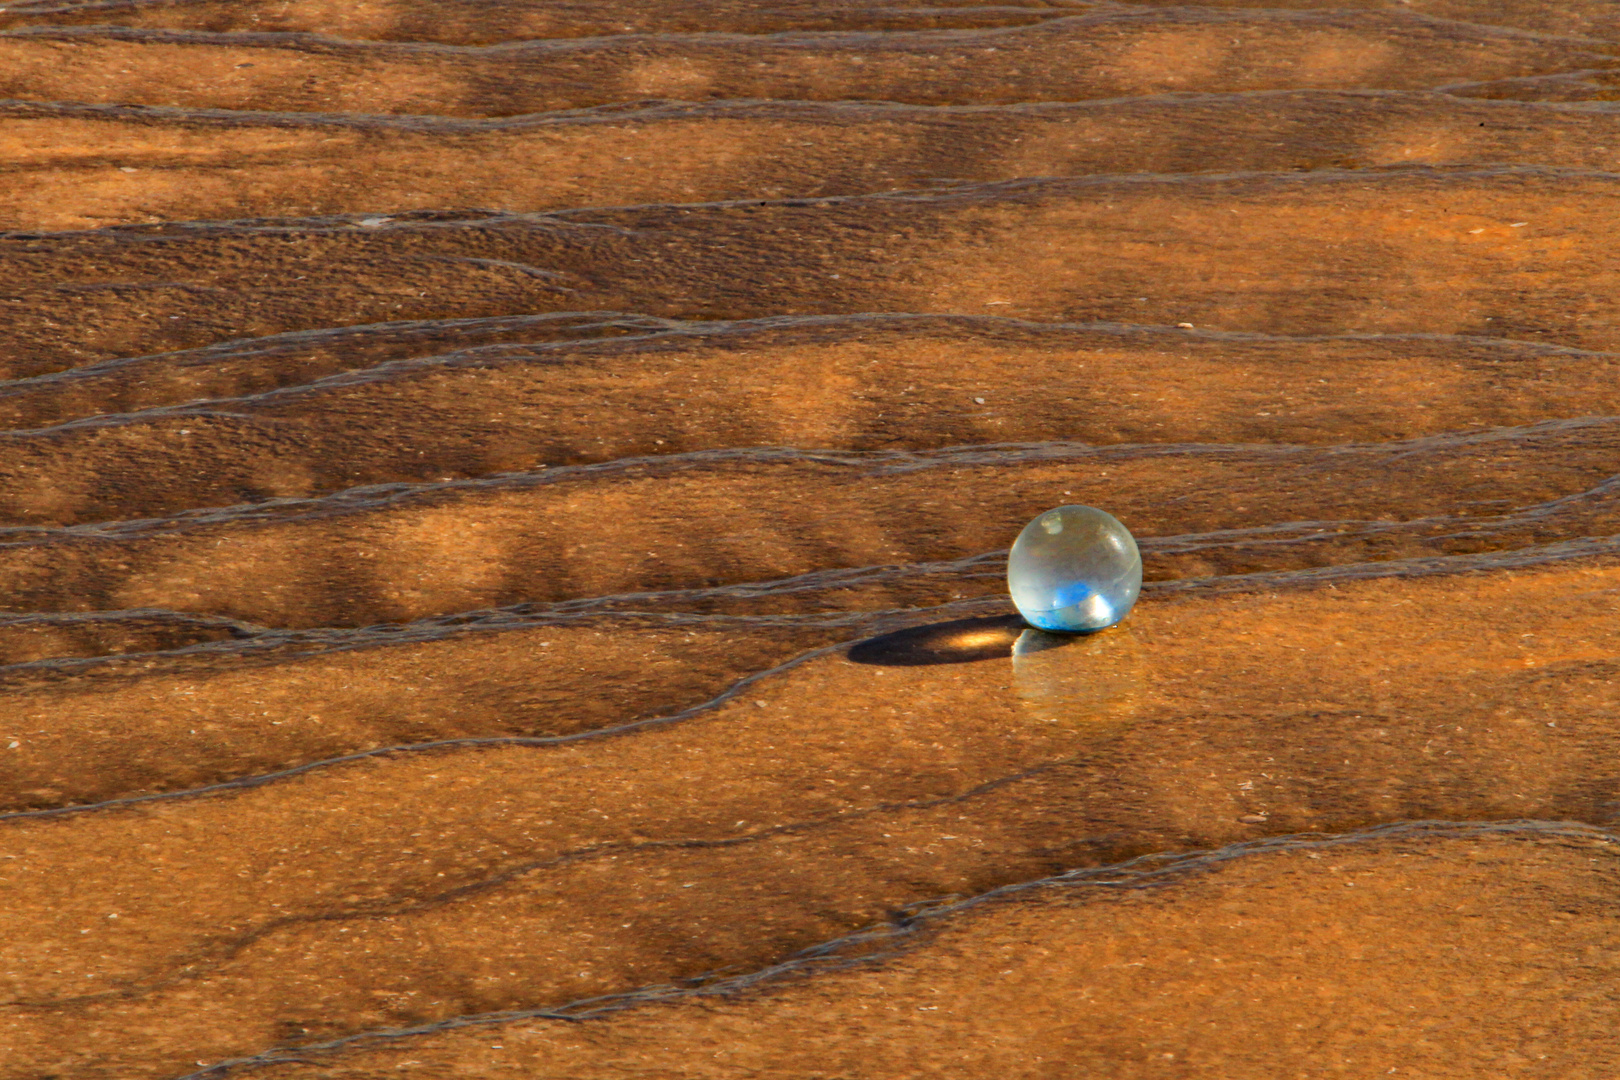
<point x="855" y="382"/>
<point x="829" y="794"/>
<point x="211" y="718"/>
<point x="479" y="21"/>
<point x="1588" y="86"/>
<point x="860" y="383"/>
<point x="472" y="22"/>
<point x="1351" y="956"/>
<point x="397" y="553"/>
<point x="1109" y="53"/>
<point x="79" y="167"/>
<point x="503" y="520"/>
<point x="1547" y="16"/>
<point x="1501" y="252"/>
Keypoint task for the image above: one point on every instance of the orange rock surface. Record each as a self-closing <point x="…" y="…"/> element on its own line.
<point x="506" y="508"/>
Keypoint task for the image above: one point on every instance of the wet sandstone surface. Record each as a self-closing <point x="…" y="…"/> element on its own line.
<point x="506" y="508"/>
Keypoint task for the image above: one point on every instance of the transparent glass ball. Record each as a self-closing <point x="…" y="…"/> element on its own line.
<point x="1073" y="570"/>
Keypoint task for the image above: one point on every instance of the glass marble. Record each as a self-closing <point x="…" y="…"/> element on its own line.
<point x="1073" y="570"/>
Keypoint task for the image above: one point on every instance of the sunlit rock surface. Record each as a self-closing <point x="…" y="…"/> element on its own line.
<point x="507" y="511"/>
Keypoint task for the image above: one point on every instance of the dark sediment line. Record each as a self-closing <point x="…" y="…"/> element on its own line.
<point x="834" y="598"/>
<point x="1309" y="253"/>
<point x="100" y="165"/>
<point x="993" y="803"/>
<point x="1592" y="86"/>
<point x="29" y="640"/>
<point x="1573" y="434"/>
<point x="1108" y="53"/>
<point x="1277" y="726"/>
<point x="1596" y="20"/>
<point x="477" y="24"/>
<point x="666" y="395"/>
<point x="1279" y="105"/>
<point x="287" y="366"/>
<point x="380" y="554"/>
<point x="483" y="24"/>
<point x="845" y="629"/>
<point x="913" y="926"/>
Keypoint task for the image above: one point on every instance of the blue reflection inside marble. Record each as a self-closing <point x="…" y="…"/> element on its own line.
<point x="1074" y="569"/>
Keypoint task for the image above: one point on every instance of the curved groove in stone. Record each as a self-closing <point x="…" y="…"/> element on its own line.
<point x="656" y="110"/>
<point x="1109" y="15"/>
<point x="650" y="333"/>
<point x="592" y="333"/>
<point x="244" y="783"/>
<point x="1052" y="249"/>
<point x="879" y="622"/>
<point x="563" y="324"/>
<point x="875" y="944"/>
<point x="679" y="606"/>
<point x="868" y="462"/>
<point x="1106" y="53"/>
<point x="518" y="23"/>
<point x="399" y="22"/>
<point x="556" y="161"/>
<point x="210" y="954"/>
<point x="1018" y="189"/>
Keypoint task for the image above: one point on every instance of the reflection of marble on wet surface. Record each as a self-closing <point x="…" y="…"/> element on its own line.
<point x="1091" y="680"/>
